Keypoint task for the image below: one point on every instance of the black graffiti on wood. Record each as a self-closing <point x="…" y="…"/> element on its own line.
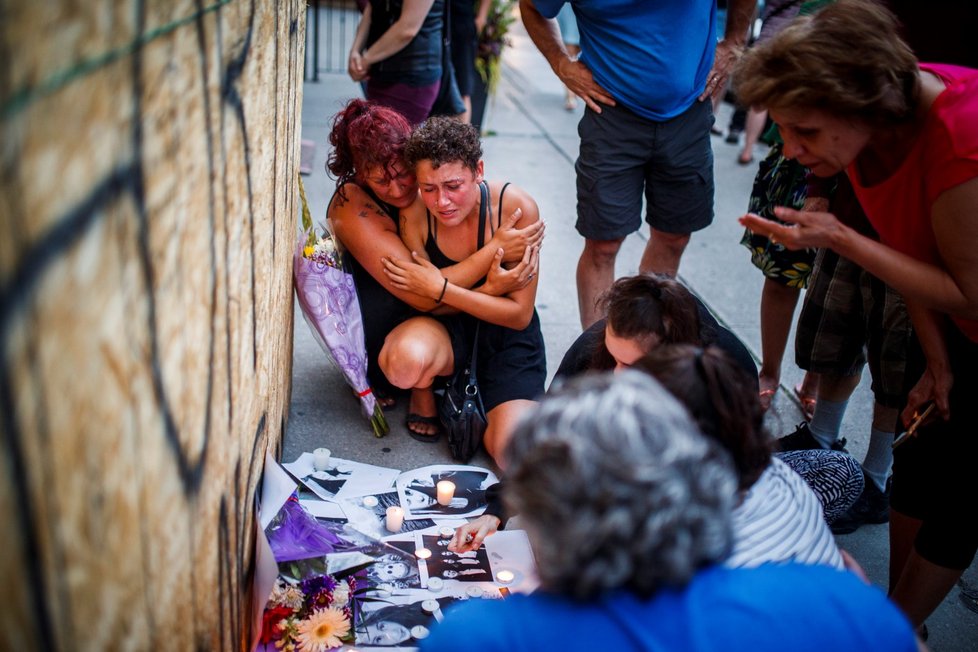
<point x="126" y="182"/>
<point x="232" y="97"/>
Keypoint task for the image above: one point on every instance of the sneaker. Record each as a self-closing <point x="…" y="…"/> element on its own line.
<point x="733" y="137"/>
<point x="802" y="440"/>
<point x="872" y="506"/>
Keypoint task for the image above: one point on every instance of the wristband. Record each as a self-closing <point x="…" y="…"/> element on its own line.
<point x="442" y="295"/>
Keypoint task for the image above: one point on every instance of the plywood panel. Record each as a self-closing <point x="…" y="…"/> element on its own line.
<point x="148" y="157"/>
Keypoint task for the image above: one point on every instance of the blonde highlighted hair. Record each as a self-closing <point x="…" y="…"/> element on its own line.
<point x="847" y="60"/>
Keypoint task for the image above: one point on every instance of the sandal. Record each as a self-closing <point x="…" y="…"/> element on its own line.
<point x="417" y="419"/>
<point x="807" y="403"/>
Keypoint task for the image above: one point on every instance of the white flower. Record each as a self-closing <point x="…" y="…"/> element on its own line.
<point x="341" y="594"/>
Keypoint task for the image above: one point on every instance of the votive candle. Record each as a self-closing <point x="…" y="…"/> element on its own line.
<point x="395" y="518"/>
<point x="446" y="491"/>
<point x="320" y="459"/>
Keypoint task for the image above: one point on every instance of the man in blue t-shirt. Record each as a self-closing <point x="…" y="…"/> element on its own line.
<point x="644" y="72"/>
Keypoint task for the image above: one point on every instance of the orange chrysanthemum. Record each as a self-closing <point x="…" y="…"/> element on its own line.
<point x="323" y="630"/>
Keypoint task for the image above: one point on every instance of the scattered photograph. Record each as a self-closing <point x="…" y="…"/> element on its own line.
<point x="418" y="490"/>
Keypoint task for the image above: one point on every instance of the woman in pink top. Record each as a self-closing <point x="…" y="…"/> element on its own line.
<point x="849" y="95"/>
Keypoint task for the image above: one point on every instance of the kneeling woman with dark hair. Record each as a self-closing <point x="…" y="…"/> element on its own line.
<point x="778" y="517"/>
<point x="643" y="312"/>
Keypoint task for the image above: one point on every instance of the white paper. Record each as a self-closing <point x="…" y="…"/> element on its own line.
<point x="276" y="487"/>
<point x="417" y="491"/>
<point x="323" y="509"/>
<point x="344" y="478"/>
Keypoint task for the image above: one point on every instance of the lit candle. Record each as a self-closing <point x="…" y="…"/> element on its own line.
<point x="422" y="553"/>
<point x="370" y="501"/>
<point x="446" y="491"/>
<point x="505" y="576"/>
<point x="395" y="519"/>
<point x="320" y="459"/>
<point x="446" y="532"/>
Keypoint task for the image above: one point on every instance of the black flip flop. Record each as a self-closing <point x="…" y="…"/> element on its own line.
<point x="428" y="421"/>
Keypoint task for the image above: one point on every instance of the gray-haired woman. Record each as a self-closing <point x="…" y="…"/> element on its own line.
<point x="627" y="507"/>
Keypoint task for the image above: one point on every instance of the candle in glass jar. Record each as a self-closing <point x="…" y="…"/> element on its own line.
<point x="320" y="459"/>
<point x="395" y="519"/>
<point x="446" y="491"/>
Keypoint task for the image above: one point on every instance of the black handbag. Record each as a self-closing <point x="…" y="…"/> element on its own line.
<point x="461" y="411"/>
<point x="449" y="100"/>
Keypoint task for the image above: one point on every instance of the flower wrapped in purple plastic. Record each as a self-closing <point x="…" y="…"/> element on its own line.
<point x="328" y="299"/>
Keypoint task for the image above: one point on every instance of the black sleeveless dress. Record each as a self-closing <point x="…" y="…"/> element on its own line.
<point x="381" y="310"/>
<point x="512" y="364"/>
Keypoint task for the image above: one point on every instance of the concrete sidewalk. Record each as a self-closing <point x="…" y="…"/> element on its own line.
<point x="532" y="141"/>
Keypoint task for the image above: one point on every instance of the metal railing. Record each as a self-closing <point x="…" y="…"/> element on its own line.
<point x="330" y="28"/>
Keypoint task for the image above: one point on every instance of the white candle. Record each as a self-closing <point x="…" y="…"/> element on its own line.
<point x="446" y="491"/>
<point x="505" y="576"/>
<point x="422" y="553"/>
<point x="320" y="459"/>
<point x="446" y="532"/>
<point x="395" y="519"/>
<point x="370" y="501"/>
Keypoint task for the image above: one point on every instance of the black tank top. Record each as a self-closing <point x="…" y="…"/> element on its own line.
<point x="439" y="259"/>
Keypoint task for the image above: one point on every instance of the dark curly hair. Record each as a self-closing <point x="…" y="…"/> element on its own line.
<point x="639" y="307"/>
<point x="721" y="398"/>
<point x="365" y="135"/>
<point x="444" y="140"/>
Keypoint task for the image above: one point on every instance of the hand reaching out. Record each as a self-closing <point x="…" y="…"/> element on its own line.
<point x="805" y="229"/>
<point x="470" y="536"/>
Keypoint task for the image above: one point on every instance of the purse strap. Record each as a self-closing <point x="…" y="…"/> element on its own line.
<point x="480" y="242"/>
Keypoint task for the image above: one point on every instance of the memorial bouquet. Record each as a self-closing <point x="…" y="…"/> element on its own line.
<point x="313" y="614"/>
<point x="309" y="608"/>
<point x="492" y="40"/>
<point x="328" y="299"/>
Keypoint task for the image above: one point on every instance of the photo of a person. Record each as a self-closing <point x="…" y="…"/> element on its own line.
<point x="391" y="499"/>
<point x="419" y="494"/>
<point x="391" y="624"/>
<point x="472" y="566"/>
<point x="397" y="568"/>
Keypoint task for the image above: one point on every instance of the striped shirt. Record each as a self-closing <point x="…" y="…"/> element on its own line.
<point x="780" y="520"/>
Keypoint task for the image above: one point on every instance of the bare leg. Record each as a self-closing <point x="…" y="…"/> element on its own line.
<point x="466" y="117"/>
<point x="413" y="354"/>
<point x="777" y="310"/>
<point x="502" y="419"/>
<point x="663" y="252"/>
<point x="755" y="123"/>
<point x="595" y="274"/>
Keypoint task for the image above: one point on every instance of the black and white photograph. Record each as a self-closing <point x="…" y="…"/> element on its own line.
<point x="369" y="514"/>
<point x="466" y="567"/>
<point x="395" y="565"/>
<point x="418" y="491"/>
<point x="389" y="622"/>
<point x="342" y="478"/>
